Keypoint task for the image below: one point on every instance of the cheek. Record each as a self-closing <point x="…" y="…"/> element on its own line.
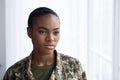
<point x="37" y="40"/>
<point x="57" y="38"/>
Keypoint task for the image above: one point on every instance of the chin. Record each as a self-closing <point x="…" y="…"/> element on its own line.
<point x="49" y="50"/>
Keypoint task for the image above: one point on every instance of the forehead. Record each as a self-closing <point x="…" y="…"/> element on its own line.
<point x="48" y="21"/>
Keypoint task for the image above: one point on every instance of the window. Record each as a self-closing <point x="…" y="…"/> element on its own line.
<point x="103" y="39"/>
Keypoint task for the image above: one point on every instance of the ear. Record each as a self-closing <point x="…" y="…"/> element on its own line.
<point x="29" y="32"/>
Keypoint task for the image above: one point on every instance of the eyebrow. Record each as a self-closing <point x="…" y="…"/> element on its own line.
<point x="41" y="27"/>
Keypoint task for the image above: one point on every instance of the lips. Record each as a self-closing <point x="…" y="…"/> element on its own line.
<point x="49" y="46"/>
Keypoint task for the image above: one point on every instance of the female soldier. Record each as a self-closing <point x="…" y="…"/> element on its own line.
<point x="44" y="62"/>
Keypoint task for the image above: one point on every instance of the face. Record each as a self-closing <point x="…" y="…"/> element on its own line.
<point x="45" y="33"/>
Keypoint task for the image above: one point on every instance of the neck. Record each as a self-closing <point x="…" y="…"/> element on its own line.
<point x="43" y="59"/>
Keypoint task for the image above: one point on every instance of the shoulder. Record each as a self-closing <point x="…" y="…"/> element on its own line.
<point x="69" y="59"/>
<point x="20" y="63"/>
<point x="19" y="66"/>
<point x="72" y="66"/>
<point x="16" y="69"/>
<point x="70" y="62"/>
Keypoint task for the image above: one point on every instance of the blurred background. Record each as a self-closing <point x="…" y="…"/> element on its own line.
<point x="90" y="31"/>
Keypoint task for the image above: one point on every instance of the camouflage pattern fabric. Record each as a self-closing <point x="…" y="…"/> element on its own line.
<point x="67" y="68"/>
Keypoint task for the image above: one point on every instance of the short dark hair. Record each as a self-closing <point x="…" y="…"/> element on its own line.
<point x="38" y="12"/>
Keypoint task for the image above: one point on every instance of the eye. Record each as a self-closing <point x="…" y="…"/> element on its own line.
<point x="56" y="32"/>
<point x="42" y="31"/>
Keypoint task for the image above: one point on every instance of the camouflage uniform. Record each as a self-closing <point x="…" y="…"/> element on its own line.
<point x="67" y="68"/>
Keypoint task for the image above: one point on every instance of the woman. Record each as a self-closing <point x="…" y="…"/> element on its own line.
<point x="44" y="62"/>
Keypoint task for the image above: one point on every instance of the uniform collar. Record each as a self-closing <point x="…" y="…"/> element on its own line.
<point x="57" y="71"/>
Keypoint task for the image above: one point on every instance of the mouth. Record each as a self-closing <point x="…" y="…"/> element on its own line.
<point x="49" y="46"/>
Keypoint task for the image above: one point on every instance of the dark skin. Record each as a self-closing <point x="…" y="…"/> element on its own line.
<point x="45" y="36"/>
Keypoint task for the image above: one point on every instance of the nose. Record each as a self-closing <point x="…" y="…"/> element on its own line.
<point x="49" y="37"/>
